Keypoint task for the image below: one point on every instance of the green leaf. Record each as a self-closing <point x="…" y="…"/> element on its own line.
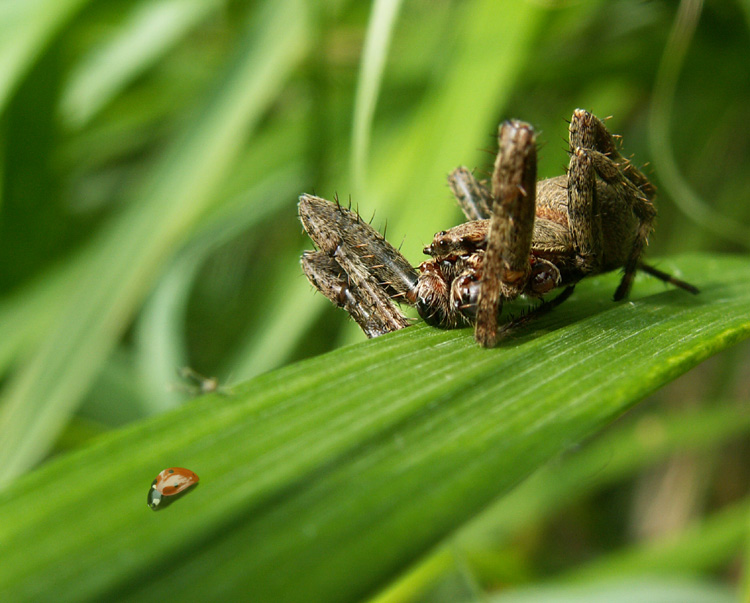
<point x="323" y="480"/>
<point x="379" y="32"/>
<point x="672" y="590"/>
<point x="703" y="544"/>
<point x="151" y="29"/>
<point x="26" y="27"/>
<point x="485" y="545"/>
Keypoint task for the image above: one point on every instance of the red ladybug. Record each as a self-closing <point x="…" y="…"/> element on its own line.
<point x="168" y="483"/>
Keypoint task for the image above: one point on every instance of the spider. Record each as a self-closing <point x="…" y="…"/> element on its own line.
<point x="522" y="237"/>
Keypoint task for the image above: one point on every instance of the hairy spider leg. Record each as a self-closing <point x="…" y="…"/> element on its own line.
<point x="593" y="152"/>
<point x="356" y="268"/>
<point x="506" y="261"/>
<point x="473" y="197"/>
<point x="540" y="310"/>
<point x="641" y="207"/>
<point x="584" y="213"/>
<point x="369" y="305"/>
<point x="668" y="278"/>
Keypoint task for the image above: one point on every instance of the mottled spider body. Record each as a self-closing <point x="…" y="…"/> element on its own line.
<point x="521" y="238"/>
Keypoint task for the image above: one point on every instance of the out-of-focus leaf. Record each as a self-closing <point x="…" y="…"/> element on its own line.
<point x="26" y="27"/>
<point x="703" y="545"/>
<point x="151" y="30"/>
<point x="663" y="590"/>
<point x="128" y="254"/>
<point x="379" y="33"/>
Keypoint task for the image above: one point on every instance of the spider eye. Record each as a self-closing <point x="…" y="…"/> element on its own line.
<point x="440" y="244"/>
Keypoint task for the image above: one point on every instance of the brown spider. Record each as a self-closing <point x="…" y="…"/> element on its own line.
<point x="523" y="237"/>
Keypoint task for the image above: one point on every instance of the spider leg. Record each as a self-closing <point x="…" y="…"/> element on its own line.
<point x="356" y="268"/>
<point x="628" y="195"/>
<point x="540" y="310"/>
<point x="593" y="152"/>
<point x="587" y="131"/>
<point x="668" y="278"/>
<point x="506" y="261"/>
<point x="474" y="198"/>
<point x="371" y="294"/>
<point x="366" y="302"/>
<point x="331" y="226"/>
<point x="584" y="214"/>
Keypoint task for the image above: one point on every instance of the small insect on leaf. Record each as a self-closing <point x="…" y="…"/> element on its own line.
<point x="169" y="483"/>
<point x="196" y="384"/>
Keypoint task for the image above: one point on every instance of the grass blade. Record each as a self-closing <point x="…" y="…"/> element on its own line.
<point x="151" y="30"/>
<point x="704" y="545"/>
<point x="664" y="590"/>
<point x="324" y="479"/>
<point x="379" y="31"/>
<point x="26" y="27"/>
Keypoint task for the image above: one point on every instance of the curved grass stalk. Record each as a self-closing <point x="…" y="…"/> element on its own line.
<point x="685" y="198"/>
<point x="379" y="31"/>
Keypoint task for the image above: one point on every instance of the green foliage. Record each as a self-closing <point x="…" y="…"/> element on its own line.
<point x="342" y="469"/>
<point x="133" y="246"/>
<point x="151" y="154"/>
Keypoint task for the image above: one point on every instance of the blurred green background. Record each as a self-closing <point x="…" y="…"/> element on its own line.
<point x="152" y="154"/>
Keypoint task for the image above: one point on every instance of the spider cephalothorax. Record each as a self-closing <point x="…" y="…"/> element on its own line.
<point x="522" y="237"/>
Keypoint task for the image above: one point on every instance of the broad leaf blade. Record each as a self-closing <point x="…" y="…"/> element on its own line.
<point x="323" y="480"/>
